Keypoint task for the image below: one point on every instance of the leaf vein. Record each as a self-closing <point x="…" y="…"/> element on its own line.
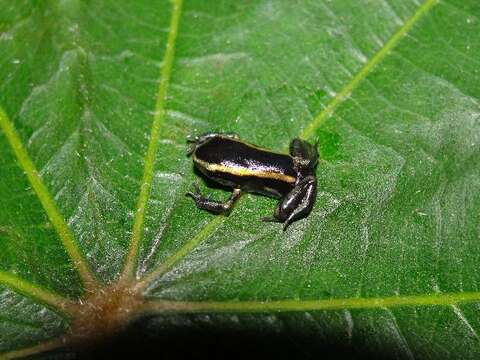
<point x="46" y="200"/>
<point x="366" y="69"/>
<point x="35" y="349"/>
<point x="33" y="291"/>
<point x="158" y="118"/>
<point x="296" y="305"/>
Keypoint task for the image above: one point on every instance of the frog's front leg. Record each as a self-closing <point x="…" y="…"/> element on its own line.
<point x="214" y="206"/>
<point x="297" y="203"/>
<point x="305" y="156"/>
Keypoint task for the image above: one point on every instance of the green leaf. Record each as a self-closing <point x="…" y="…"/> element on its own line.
<point x="95" y="231"/>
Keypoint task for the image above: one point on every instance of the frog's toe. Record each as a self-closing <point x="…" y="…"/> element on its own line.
<point x="195" y="194"/>
<point x="270" y="219"/>
<point x="192" y="195"/>
<point x="196" y="187"/>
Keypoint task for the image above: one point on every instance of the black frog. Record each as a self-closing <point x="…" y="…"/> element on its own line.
<point x="244" y="167"/>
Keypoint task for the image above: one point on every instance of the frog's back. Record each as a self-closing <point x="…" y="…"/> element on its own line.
<point x="235" y="163"/>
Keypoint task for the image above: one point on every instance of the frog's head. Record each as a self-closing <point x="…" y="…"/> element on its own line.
<point x="196" y="141"/>
<point x="192" y="142"/>
<point x="305" y="155"/>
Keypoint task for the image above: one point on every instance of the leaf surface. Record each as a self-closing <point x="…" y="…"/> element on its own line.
<point x="98" y="98"/>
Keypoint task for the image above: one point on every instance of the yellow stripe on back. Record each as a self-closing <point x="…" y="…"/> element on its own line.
<point x="238" y="171"/>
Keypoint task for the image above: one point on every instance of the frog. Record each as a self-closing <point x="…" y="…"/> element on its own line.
<point x="247" y="168"/>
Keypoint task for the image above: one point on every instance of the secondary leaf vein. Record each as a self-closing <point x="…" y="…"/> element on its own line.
<point x="46" y="200"/>
<point x="208" y="229"/>
<point x="343" y="94"/>
<point x="159" y="116"/>
<point x="33" y="291"/>
<point x="35" y="349"/>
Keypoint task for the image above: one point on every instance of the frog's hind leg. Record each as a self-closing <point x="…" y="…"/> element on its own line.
<point x="297" y="203"/>
<point x="214" y="206"/>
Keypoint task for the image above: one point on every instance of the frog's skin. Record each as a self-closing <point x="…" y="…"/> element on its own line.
<point x="229" y="161"/>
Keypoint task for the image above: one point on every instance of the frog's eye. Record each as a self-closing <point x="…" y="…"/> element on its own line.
<point x="304" y="153"/>
<point x="192" y="139"/>
<point x="191" y="148"/>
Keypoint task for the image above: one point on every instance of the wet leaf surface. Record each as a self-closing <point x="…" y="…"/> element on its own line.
<point x="98" y="98"/>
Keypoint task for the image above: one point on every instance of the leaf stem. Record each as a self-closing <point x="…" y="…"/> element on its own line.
<point x="159" y="116"/>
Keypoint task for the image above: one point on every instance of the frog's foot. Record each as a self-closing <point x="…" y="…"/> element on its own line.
<point x="297" y="203"/>
<point x="211" y="205"/>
